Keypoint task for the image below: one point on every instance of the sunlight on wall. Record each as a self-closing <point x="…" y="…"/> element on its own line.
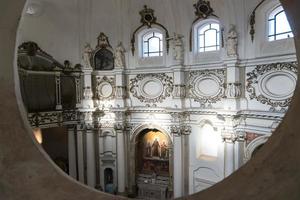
<point x="208" y="142"/>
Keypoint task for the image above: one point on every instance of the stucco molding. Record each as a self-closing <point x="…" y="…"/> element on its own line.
<point x="141" y="87"/>
<point x="258" y="80"/>
<point x="216" y="90"/>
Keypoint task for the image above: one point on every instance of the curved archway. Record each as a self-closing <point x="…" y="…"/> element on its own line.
<point x="22" y="162"/>
<point x="253" y="145"/>
<point x="147" y="160"/>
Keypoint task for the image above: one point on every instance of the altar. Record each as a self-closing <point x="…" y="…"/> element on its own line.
<point x="153" y="188"/>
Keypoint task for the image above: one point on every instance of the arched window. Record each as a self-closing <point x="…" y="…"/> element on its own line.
<point x="208" y="37"/>
<point x="152" y="44"/>
<point x="278" y="24"/>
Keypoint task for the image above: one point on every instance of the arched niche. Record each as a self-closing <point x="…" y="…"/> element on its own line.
<point x="151" y="161"/>
<point x="208" y="141"/>
<point x="108" y="181"/>
<point x="103" y="56"/>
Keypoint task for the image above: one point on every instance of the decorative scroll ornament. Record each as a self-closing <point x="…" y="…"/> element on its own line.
<point x="232" y="136"/>
<point x="179" y="130"/>
<point x="147" y="16"/>
<point x="50" y="119"/>
<point x="105" y="88"/>
<point x="203" y="9"/>
<point x="207" y="86"/>
<point x="151" y="88"/>
<point x="260" y="84"/>
<point x="103" y="41"/>
<point x="148" y="19"/>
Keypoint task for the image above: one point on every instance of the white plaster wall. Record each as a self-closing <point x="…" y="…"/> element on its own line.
<point x="64" y="26"/>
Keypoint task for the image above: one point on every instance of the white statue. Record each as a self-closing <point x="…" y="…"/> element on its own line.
<point x="119" y="56"/>
<point x="232" y="41"/>
<point x="178" y="47"/>
<point x="103" y="41"/>
<point x="87" y="54"/>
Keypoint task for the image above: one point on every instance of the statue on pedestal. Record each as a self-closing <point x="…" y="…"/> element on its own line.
<point x="87" y="54"/>
<point x="119" y="56"/>
<point x="232" y="41"/>
<point x="178" y="48"/>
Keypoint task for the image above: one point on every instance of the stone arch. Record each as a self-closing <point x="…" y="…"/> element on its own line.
<point x="132" y="151"/>
<point x="253" y="145"/>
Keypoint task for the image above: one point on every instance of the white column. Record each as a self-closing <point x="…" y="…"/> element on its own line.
<point x="229" y="158"/>
<point x="80" y="156"/>
<point x="177" y="154"/>
<point x="185" y="163"/>
<point x="90" y="158"/>
<point x="239" y="154"/>
<point x="72" y="152"/>
<point x="121" y="160"/>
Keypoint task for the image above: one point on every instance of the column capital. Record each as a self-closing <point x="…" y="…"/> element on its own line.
<point x="232" y="136"/>
<point x="119" y="126"/>
<point x="178" y="130"/>
<point x="186" y="129"/>
<point x="175" y="130"/>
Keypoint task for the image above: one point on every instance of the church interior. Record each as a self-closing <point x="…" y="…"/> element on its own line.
<point x="151" y="99"/>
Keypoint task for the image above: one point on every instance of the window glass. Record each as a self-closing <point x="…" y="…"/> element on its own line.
<point x="208" y="37"/>
<point x="152" y="44"/>
<point x="279" y="27"/>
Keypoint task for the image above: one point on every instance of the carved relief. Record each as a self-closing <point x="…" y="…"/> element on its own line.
<point x="151" y="88"/>
<point x="87" y="93"/>
<point x="52" y="118"/>
<point x="207" y="86"/>
<point x="179" y="91"/>
<point x="104" y="88"/>
<point x="233" y="90"/>
<point x="272" y="84"/>
<point x="120" y="92"/>
<point x="203" y="9"/>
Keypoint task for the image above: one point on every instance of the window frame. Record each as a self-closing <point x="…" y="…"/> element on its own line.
<point x="268" y="21"/>
<point x="161" y="44"/>
<point x="196" y="37"/>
